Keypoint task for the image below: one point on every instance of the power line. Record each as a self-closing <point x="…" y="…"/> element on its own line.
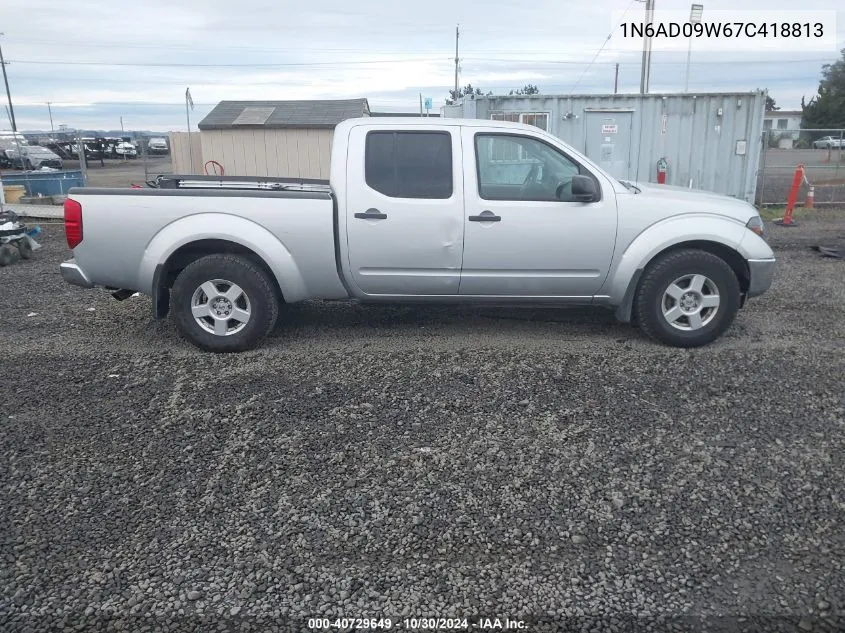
<point x="257" y="65"/>
<point x="46" y="62"/>
<point x="264" y="49"/>
<point x="601" y="48"/>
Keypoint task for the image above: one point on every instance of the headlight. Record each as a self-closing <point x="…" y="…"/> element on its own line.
<point x="756" y="225"/>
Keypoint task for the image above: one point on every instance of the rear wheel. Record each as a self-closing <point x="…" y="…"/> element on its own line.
<point x="25" y="248"/>
<point x="7" y="255"/>
<point x="224" y="303"/>
<point x="687" y="298"/>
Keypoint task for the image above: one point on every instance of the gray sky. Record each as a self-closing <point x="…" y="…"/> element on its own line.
<point x="98" y="60"/>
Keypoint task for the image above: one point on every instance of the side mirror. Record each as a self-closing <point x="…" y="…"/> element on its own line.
<point x="584" y="189"/>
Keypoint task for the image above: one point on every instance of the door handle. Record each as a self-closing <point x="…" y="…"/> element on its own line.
<point x="371" y="214"/>
<point x="485" y="216"/>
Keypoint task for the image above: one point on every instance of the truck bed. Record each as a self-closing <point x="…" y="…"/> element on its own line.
<point x="128" y="233"/>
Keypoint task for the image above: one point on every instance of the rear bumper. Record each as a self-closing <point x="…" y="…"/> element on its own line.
<point x="761" y="273"/>
<point x="73" y="274"/>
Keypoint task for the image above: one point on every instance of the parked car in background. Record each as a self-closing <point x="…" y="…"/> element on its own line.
<point x="827" y="142"/>
<point x="92" y="152"/>
<point x="31" y="157"/>
<point x="126" y="149"/>
<point x="157" y="146"/>
<point x="431" y="211"/>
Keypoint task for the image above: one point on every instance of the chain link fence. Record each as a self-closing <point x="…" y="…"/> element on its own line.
<point x="821" y="152"/>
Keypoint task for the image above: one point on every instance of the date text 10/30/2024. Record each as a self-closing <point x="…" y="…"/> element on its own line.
<point x="414" y="624"/>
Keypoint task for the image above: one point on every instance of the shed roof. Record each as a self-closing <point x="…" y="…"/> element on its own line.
<point x="228" y="115"/>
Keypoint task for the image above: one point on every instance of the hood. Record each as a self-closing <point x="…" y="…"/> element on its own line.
<point x="684" y="200"/>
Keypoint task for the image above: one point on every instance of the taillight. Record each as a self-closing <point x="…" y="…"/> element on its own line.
<point x="73" y="223"/>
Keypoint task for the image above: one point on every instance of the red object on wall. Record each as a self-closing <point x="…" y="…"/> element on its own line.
<point x="662" y="167"/>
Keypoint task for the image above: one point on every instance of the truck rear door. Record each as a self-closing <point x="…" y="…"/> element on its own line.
<point x="404" y="209"/>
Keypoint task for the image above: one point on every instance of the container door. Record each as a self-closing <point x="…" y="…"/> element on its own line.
<point x="609" y="141"/>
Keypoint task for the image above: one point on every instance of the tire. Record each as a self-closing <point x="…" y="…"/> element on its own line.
<point x="25" y="249"/>
<point x="222" y="285"/>
<point x="7" y="255"/>
<point x="28" y="165"/>
<point x="687" y="298"/>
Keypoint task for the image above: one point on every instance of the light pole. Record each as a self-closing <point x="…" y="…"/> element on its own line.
<point x="645" y="72"/>
<point x="50" y="111"/>
<point x="3" y="63"/>
<point x="694" y="17"/>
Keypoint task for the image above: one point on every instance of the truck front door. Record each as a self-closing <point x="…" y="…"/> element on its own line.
<point x="526" y="234"/>
<point x="404" y="210"/>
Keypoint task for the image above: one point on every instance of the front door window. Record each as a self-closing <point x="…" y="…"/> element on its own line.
<point x="513" y="167"/>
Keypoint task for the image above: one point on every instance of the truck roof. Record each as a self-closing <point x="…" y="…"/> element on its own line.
<point x="432" y="122"/>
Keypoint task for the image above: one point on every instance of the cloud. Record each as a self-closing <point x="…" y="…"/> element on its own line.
<point x="97" y="61"/>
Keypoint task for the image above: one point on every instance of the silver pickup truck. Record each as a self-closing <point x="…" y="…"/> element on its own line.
<point x="422" y="211"/>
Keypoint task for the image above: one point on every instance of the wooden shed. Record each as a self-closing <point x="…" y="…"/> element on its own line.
<point x="266" y="138"/>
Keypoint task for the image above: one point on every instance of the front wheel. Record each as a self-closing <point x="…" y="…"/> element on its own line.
<point x="687" y="298"/>
<point x="224" y="303"/>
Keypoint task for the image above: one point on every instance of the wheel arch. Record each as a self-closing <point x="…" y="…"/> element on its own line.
<point x="183" y="242"/>
<point x="728" y="254"/>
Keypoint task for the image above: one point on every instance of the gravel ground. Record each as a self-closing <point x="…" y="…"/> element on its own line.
<point x="548" y="466"/>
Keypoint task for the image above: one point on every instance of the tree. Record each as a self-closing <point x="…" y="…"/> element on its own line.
<point x="771" y="106"/>
<point x="454" y="96"/>
<point x="826" y="110"/>
<point x="527" y="89"/>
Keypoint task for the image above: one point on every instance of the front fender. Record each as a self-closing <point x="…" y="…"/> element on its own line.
<point x="661" y="236"/>
<point x="219" y="226"/>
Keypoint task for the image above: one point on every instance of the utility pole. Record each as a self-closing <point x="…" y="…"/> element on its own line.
<point x="616" y="80"/>
<point x="8" y="93"/>
<point x="189" y="102"/>
<point x="696" y="10"/>
<point x="457" y="36"/>
<point x="646" y="64"/>
<point x="50" y="111"/>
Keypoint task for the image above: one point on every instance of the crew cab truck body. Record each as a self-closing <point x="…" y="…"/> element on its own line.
<point x="423" y="211"/>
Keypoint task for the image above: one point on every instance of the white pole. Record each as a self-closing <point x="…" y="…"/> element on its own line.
<point x="190" y="144"/>
<point x="696" y="10"/>
<point x="645" y="71"/>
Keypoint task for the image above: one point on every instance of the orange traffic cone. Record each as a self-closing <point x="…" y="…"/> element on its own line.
<point x="787" y="220"/>
<point x="811" y="198"/>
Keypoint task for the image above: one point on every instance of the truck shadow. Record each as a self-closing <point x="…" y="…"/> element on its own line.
<point x="350" y="318"/>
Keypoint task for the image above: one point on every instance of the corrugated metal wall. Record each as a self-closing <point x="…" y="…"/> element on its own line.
<point x="180" y="154"/>
<point x="699" y="143"/>
<point x="298" y="153"/>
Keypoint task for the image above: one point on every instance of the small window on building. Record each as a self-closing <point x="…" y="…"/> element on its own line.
<point x="782" y="123"/>
<point x="409" y="164"/>
<point x="513" y="117"/>
<point x="767" y="124"/>
<point x="537" y="119"/>
<point x="540" y="120"/>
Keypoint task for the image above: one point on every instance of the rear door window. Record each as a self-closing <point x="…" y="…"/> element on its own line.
<point x="409" y="164"/>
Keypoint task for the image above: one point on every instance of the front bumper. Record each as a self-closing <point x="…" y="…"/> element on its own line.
<point x="761" y="273"/>
<point x="73" y="274"/>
